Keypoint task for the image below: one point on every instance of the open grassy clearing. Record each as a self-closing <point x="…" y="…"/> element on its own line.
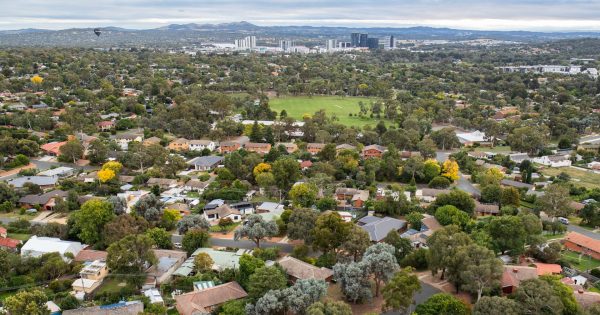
<point x="298" y="106"/>
<point x="580" y="262"/>
<point x="496" y="149"/>
<point x="579" y="177"/>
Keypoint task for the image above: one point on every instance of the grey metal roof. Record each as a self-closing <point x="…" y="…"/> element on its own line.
<point x="38" y="180"/>
<point x="205" y="161"/>
<point x="380" y="228"/>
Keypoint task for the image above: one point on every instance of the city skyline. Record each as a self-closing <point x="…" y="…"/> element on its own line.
<point x="531" y="15"/>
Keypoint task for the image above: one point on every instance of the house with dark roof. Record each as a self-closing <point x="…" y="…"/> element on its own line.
<point x="516" y="184"/>
<point x="483" y="209"/>
<point x="205" y="163"/>
<point x="43" y="181"/>
<point x="45" y="201"/>
<point x="351" y="197"/>
<point x="300" y="270"/>
<point x="207" y="300"/>
<point x="290" y="147"/>
<point x="221" y="212"/>
<point x="378" y="228"/>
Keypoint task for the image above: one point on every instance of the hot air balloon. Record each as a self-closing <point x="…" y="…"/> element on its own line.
<point x="97" y="32"/>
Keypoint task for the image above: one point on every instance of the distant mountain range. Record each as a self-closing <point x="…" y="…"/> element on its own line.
<point x="192" y="33"/>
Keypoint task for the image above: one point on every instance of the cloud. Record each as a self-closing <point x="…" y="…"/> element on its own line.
<point x="467" y="14"/>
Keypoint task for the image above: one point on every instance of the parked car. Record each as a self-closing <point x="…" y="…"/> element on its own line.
<point x="564" y="221"/>
<point x="177" y="245"/>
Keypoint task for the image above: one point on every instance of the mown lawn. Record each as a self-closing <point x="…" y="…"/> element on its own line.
<point x="20" y="237"/>
<point x="550" y="236"/>
<point x="580" y="263"/>
<point x="579" y="177"/>
<point x="496" y="149"/>
<point x="110" y="284"/>
<point x="298" y="106"/>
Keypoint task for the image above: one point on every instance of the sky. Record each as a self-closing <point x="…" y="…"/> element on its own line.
<point x="533" y="15"/>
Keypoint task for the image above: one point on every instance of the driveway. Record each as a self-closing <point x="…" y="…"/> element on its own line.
<point x="462" y="183"/>
<point x="580" y="230"/>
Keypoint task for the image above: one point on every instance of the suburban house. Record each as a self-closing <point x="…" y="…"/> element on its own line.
<point x="582" y="244"/>
<point x="300" y="270"/>
<point x="269" y="207"/>
<point x="45" y="201"/>
<point x="207" y="300"/>
<point x="38" y="246"/>
<point x="205" y="163"/>
<point x="195" y="185"/>
<point x="471" y="138"/>
<point x="91" y="277"/>
<point x="151" y="141"/>
<point x="260" y="148"/>
<point x="132" y="197"/>
<point x="482" y="209"/>
<point x="378" y="228"/>
<point x="516" y="184"/>
<point x="244" y="207"/>
<point x="586" y="298"/>
<point x="52" y="148"/>
<point x="167" y="262"/>
<point x="314" y="148"/>
<point x="513" y="275"/>
<point x="221" y="212"/>
<point x="221" y="260"/>
<point x="594" y="165"/>
<point x="519" y="157"/>
<point x="200" y="145"/>
<point x="8" y="243"/>
<point x="90" y="255"/>
<point x="351" y="197"/>
<point x="124" y="139"/>
<point x="341" y="147"/>
<point x="548" y="269"/>
<point x="373" y="151"/>
<point x="44" y="182"/>
<point x="290" y="147"/>
<point x="154" y="296"/>
<point x="61" y="171"/>
<point x="304" y="165"/>
<point x="429" y="224"/>
<point x="106" y="125"/>
<point x="179" y="144"/>
<point x="591" y="142"/>
<point x="429" y="195"/>
<point x="121" y="308"/>
<point x="553" y="160"/>
<point x="229" y="146"/>
<point x="163" y="183"/>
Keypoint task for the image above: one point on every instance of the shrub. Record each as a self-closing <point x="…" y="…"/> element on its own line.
<point x="439" y="182"/>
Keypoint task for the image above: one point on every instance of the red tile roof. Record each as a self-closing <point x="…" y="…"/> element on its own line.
<point x="53" y="147"/>
<point x="9" y="242"/>
<point x="583" y="241"/>
<point x="547" y="269"/>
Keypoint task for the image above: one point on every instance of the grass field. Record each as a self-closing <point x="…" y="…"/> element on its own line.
<point x="579" y="177"/>
<point x="496" y="149"/>
<point x="585" y="263"/>
<point x="298" y="106"/>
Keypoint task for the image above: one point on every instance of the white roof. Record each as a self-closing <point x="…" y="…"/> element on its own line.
<point x="56" y="171"/>
<point x="154" y="296"/>
<point x="84" y="283"/>
<point x="50" y="245"/>
<point x="475" y="136"/>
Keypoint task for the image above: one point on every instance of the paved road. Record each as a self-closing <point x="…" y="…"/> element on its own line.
<point x="285" y="248"/>
<point x="44" y="165"/>
<point x="463" y="183"/>
<point x="578" y="229"/>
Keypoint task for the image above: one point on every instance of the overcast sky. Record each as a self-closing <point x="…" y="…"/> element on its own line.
<point x="539" y="15"/>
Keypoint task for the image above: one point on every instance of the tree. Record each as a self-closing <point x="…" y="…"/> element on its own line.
<point x="564" y="293"/>
<point x="427" y="148"/>
<point x="357" y="243"/>
<point x="431" y="169"/>
<point x="97" y="152"/>
<point x="194" y="239"/>
<point x="203" y="262"/>
<point x="123" y="225"/>
<point x="37" y="80"/>
<point x="71" y="151"/>
<point x="160" y="237"/>
<point x="261" y="168"/>
<point x="442" y="304"/>
<point x="106" y="175"/>
<point x="248" y="265"/>
<point x="555" y="202"/>
<point x="234" y="307"/>
<point x="528" y="139"/>
<point x="328" y="153"/>
<point x="286" y="172"/>
<point x="402" y="246"/>
<point x="510" y="197"/>
<point x="330" y="232"/>
<point x="329" y="307"/>
<point x="296" y="298"/>
<point x="301" y="223"/>
<point x="131" y="254"/>
<point x="536" y="296"/>
<point x="114" y="166"/>
<point x="148" y="207"/>
<point x="443" y="246"/>
<point x="481" y="271"/>
<point x="28" y="302"/>
<point x="457" y="198"/>
<point x="450" y="170"/>
<point x="192" y="221"/>
<point x="496" y="305"/>
<point x="303" y="194"/>
<point x="445" y="138"/>
<point x="353" y="279"/>
<point x="256" y="229"/>
<point x="91" y="218"/>
<point x="265" y="279"/>
<point x="380" y="261"/>
<point x="449" y="214"/>
<point x="414" y="219"/>
<point x="398" y="293"/>
<point x="507" y="233"/>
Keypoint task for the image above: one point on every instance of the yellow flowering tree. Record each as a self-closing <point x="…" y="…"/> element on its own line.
<point x="37" y="80"/>
<point x="261" y="168"/>
<point x="113" y="166"/>
<point x="450" y="169"/>
<point x="106" y="175"/>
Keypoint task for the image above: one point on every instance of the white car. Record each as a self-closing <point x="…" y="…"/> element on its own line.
<point x="177" y="245"/>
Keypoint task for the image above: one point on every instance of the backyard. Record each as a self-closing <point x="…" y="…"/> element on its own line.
<point x="579" y="177"/>
<point x="581" y="263"/>
<point x="298" y="106"/>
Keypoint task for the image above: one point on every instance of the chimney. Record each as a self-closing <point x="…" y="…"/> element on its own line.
<point x="515" y="270"/>
<point x="580" y="291"/>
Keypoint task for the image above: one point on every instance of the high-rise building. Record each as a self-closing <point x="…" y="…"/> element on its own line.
<point x="247" y="43"/>
<point x="387" y="42"/>
<point x="331" y="44"/>
<point x="363" y="42"/>
<point x="286" y="45"/>
<point x="355" y="39"/>
<point x="372" y="43"/>
<point x="344" y="44"/>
